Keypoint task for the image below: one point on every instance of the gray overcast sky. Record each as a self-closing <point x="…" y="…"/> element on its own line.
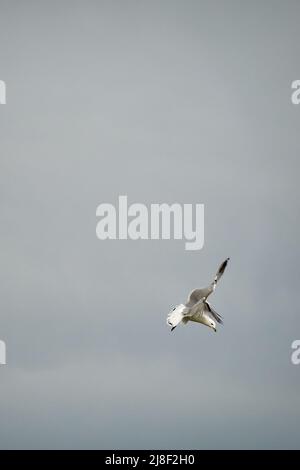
<point x="165" y="101"/>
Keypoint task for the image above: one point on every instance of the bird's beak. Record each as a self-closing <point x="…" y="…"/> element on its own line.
<point x="215" y="330"/>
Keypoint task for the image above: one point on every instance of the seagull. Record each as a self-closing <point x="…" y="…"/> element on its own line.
<point x="197" y="308"/>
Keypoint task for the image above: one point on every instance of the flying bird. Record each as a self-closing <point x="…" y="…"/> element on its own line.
<point x="197" y="308"/>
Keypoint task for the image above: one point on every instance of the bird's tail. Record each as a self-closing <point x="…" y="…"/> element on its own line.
<point x="176" y="316"/>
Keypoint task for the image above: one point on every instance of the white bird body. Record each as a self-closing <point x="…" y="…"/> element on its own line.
<point x="197" y="309"/>
<point x="204" y="319"/>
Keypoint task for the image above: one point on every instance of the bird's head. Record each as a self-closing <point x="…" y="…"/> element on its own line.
<point x="213" y="325"/>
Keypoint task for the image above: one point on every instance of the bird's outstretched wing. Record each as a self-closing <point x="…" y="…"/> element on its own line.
<point x="221" y="270"/>
<point x="197" y="294"/>
<point x="208" y="309"/>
